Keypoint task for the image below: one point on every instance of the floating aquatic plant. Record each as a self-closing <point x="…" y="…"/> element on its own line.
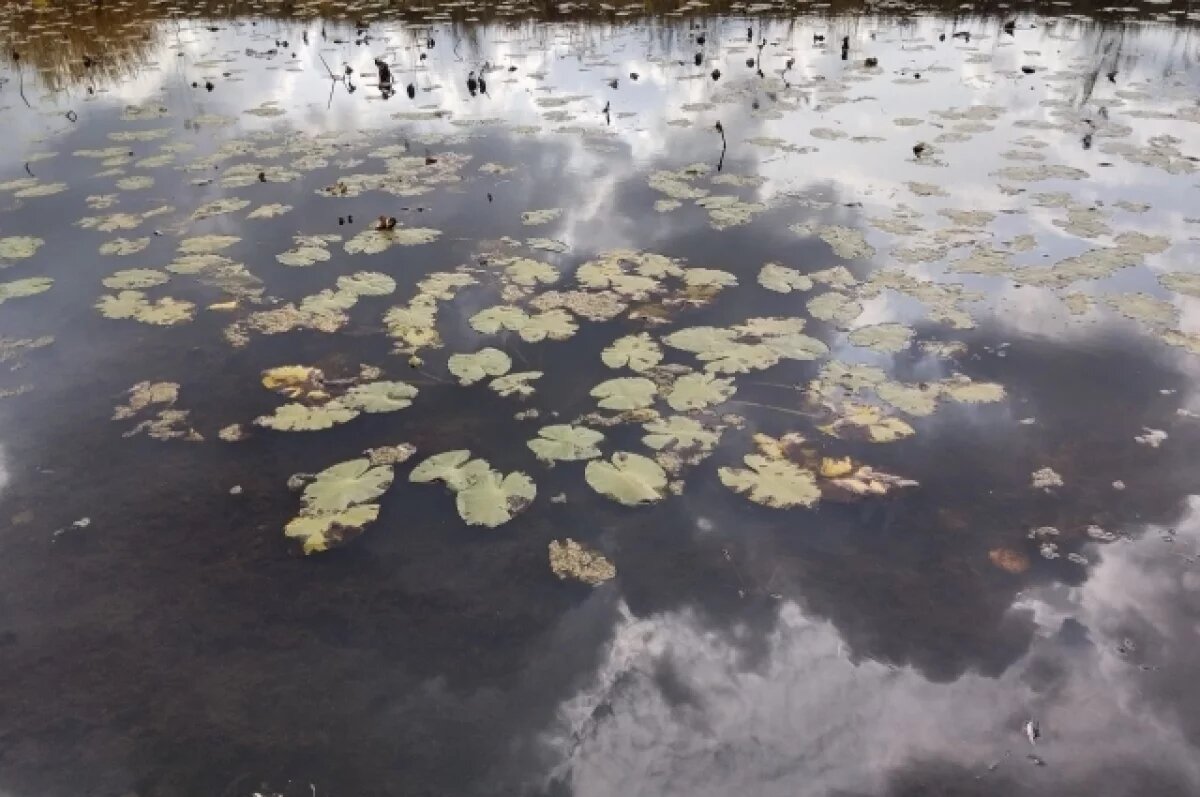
<point x="566" y="443"/>
<point x="484" y="497"/>
<point x="569" y="559"/>
<point x="337" y="504"/>
<point x="629" y="479"/>
<point x="135" y="305"/>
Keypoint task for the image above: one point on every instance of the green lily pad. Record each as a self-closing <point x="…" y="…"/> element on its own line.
<point x="638" y="352"/>
<point x="628" y="479"/>
<point x="19" y="289"/>
<point x="566" y="443"/>
<point x="697" y="391"/>
<point x="777" y="483"/>
<point x="625" y="393"/>
<point x="470" y="368"/>
<point x="379" y="397"/>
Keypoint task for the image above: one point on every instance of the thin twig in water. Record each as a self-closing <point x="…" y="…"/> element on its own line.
<point x="777" y="409"/>
<point x="724" y="145"/>
<point x="521" y="355"/>
<point x="774" y="384"/>
<point x="327" y="69"/>
<point x="428" y="375"/>
<point x="21" y="86"/>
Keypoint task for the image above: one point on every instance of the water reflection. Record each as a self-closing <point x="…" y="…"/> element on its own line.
<point x="868" y="647"/>
<point x="677" y="708"/>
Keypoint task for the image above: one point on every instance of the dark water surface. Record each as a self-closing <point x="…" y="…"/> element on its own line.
<point x="160" y="635"/>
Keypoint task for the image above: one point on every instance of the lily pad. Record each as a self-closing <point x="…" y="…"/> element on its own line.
<point x="302" y="418"/>
<point x="638" y="352"/>
<point x="697" y="391"/>
<point x="134" y="305"/>
<point x="777" y="483"/>
<point x="470" y="368"/>
<point x="532" y="218"/>
<point x="135" y="278"/>
<point x="124" y="246"/>
<point x="335" y="504"/>
<point x="781" y="279"/>
<point x="625" y="393"/>
<point x="346" y="484"/>
<point x="18" y="289"/>
<point x="887" y="337"/>
<point x="869" y="422"/>
<point x="566" y="443"/>
<point x="629" y="479"/>
<point x="493" y="499"/>
<point x="379" y="397"/>
<point x="517" y="384"/>
<point x="206" y="244"/>
<point x="682" y="434"/>
<point x="19" y="247"/>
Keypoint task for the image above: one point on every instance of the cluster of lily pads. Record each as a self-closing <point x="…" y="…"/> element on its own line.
<point x="673" y="379"/>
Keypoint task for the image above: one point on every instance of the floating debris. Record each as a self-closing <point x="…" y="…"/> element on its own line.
<point x="569" y="559"/>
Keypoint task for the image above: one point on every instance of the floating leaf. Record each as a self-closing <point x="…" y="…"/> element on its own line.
<point x="124" y="246"/>
<point x="494" y="319"/>
<point x="19" y="289"/>
<point x="566" y="443"/>
<point x="780" y="279"/>
<point x="869" y="422"/>
<point x="485" y="497"/>
<point x="346" y="484"/>
<point x="515" y="384"/>
<point x="379" y="397"/>
<point x="625" y="393"/>
<point x="327" y="530"/>
<point x="528" y="273"/>
<point x="776" y="483"/>
<point x="302" y="418"/>
<point x="19" y="247"/>
<point x="370" y="242"/>
<point x="639" y="352"/>
<point x="269" y="211"/>
<point x="366" y="283"/>
<point x="455" y="468"/>
<point x="858" y="481"/>
<point x="292" y="380"/>
<point x="470" y="368"/>
<point x="681" y="434"/>
<point x="135" y="278"/>
<point x="913" y="399"/>
<point x="887" y="337"/>
<point x="569" y="559"/>
<point x="135" y="305"/>
<point x="493" y="499"/>
<point x="629" y="479"/>
<point x="220" y="206"/>
<point x="549" y="325"/>
<point x="835" y="307"/>
<point x="697" y="391"/>
<point x="207" y="244"/>
<point x="335" y="504"/>
<point x="307" y="251"/>
<point x="532" y="218"/>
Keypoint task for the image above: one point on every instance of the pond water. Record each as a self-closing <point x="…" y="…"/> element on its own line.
<point x="823" y="381"/>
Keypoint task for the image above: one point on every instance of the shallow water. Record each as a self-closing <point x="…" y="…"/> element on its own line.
<point x="178" y="643"/>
